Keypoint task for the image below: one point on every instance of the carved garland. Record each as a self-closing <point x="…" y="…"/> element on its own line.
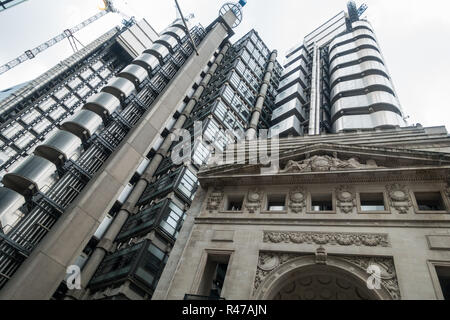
<point x="341" y="239"/>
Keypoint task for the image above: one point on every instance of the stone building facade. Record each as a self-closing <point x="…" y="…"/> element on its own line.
<point x="337" y="221"/>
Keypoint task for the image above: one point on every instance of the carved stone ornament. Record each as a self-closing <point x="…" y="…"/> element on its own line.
<point x="346" y="199"/>
<point x="253" y="203"/>
<point x="447" y="190"/>
<point x="399" y="198"/>
<point x="388" y="275"/>
<point x="297" y="200"/>
<point x="335" y="239"/>
<point x="324" y="164"/>
<point x="214" y="200"/>
<point x="321" y="256"/>
<point x="268" y="262"/>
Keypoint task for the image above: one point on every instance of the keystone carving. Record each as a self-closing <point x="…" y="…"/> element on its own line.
<point x="324" y="164"/>
<point x="321" y="256"/>
<point x="297" y="200"/>
<point x="336" y="239"/>
<point x="253" y="203"/>
<point x="346" y="199"/>
<point x="399" y="198"/>
<point x="214" y="200"/>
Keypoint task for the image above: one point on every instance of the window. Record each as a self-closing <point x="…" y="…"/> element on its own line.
<point x="234" y="203"/>
<point x="321" y="202"/>
<point x="429" y="201"/>
<point x="276" y="203"/>
<point x="214" y="275"/>
<point x="443" y="274"/>
<point x="372" y="202"/>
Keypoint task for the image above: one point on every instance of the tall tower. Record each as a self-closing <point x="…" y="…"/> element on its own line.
<point x="336" y="80"/>
<point x="105" y="180"/>
<point x="355" y="192"/>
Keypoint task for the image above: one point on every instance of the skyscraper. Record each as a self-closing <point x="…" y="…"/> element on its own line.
<point x="336" y="80"/>
<point x="356" y="207"/>
<point x="105" y="181"/>
<point x="124" y="195"/>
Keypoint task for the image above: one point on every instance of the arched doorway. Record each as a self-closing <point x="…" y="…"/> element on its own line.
<point x="304" y="279"/>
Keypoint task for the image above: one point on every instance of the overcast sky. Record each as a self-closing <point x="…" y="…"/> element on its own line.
<point x="413" y="34"/>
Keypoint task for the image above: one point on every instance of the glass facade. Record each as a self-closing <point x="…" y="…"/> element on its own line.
<point x="226" y="104"/>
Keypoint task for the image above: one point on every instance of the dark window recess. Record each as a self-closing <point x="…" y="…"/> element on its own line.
<point x="322" y="202"/>
<point x="429" y="201"/>
<point x="444" y="280"/>
<point x="276" y="203"/>
<point x="214" y="276"/>
<point x="235" y="203"/>
<point x="372" y="202"/>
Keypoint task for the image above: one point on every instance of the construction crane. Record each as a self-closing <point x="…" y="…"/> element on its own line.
<point x="66" y="34"/>
<point x="6" y="4"/>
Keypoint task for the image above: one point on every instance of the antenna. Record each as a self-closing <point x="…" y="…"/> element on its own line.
<point x="354" y="12"/>
<point x="187" y="28"/>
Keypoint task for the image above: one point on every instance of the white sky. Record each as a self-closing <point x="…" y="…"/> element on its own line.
<point x="413" y="34"/>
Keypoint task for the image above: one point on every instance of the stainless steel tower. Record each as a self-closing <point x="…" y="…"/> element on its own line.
<point x="336" y="80"/>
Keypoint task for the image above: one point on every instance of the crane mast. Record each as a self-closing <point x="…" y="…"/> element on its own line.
<point x="66" y="34"/>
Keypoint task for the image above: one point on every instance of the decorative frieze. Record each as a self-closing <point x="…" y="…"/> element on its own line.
<point x="324" y="164"/>
<point x="297" y="200"/>
<point x="346" y="199"/>
<point x="335" y="239"/>
<point x="399" y="198"/>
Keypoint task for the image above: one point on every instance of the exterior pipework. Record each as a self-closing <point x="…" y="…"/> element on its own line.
<point x="107" y="241"/>
<point x="251" y="133"/>
<point x="86" y="122"/>
<point x="315" y="98"/>
<point x="38" y="170"/>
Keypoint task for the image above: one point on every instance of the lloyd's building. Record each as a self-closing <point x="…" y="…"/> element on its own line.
<point x="356" y="205"/>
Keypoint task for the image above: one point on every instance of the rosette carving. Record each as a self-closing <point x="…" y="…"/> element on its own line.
<point x="399" y="198"/>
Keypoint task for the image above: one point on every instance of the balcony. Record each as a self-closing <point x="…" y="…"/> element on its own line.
<point x="141" y="264"/>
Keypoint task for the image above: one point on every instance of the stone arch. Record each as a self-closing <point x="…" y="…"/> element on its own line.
<point x="342" y="272"/>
